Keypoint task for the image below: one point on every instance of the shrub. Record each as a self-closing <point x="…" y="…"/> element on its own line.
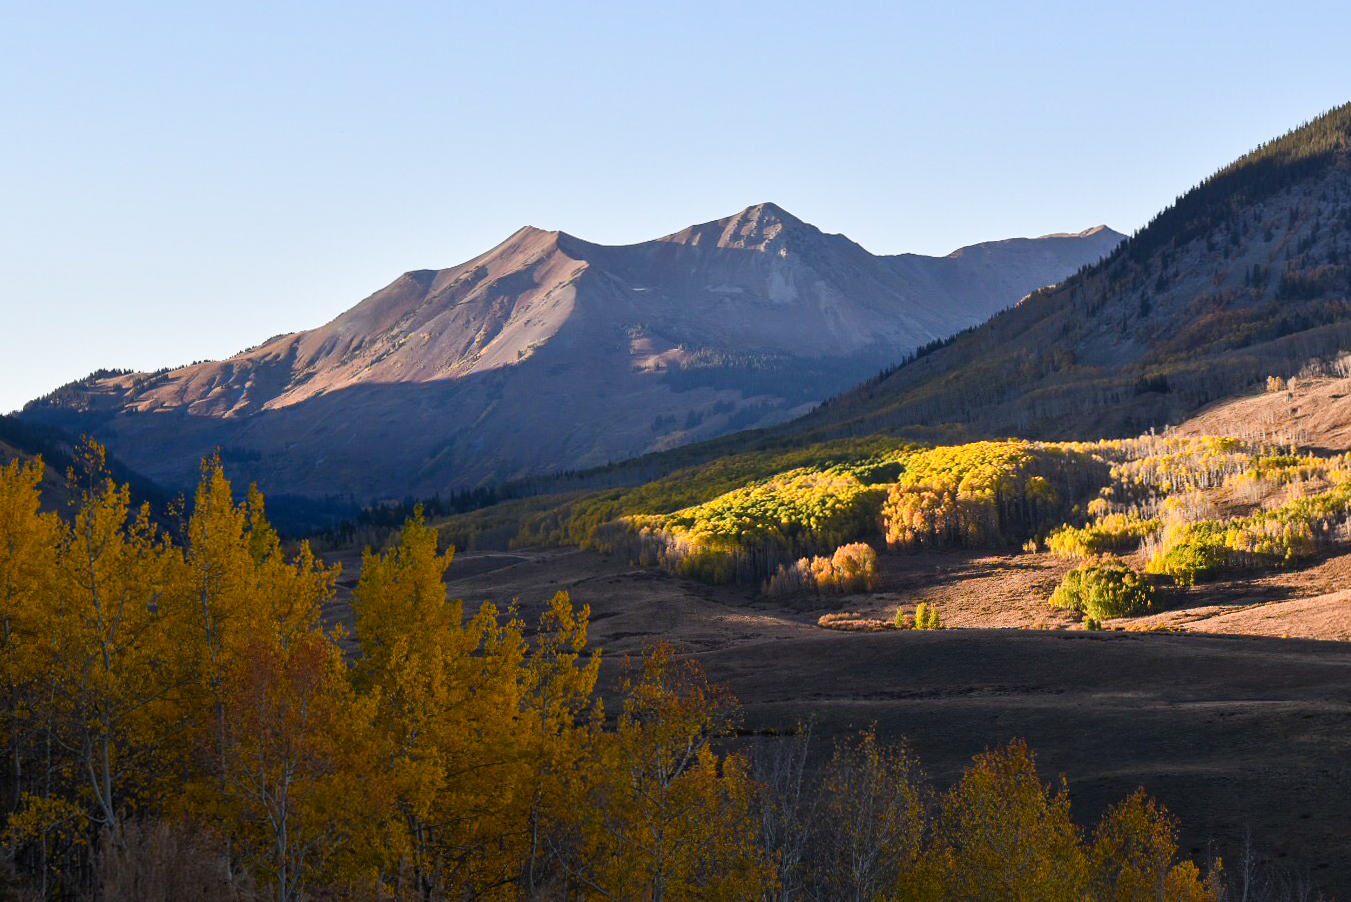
<point x="850" y="621"/>
<point x="1105" y="589"/>
<point x="899" y="620"/>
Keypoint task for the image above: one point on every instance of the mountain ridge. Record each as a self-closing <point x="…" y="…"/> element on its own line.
<point x="1246" y="275"/>
<point x="549" y="352"/>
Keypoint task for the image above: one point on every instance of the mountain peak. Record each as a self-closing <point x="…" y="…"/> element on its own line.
<point x="760" y="227"/>
<point x="532" y="233"/>
<point x="768" y="212"/>
<point x="1086" y="233"/>
<point x="526" y="242"/>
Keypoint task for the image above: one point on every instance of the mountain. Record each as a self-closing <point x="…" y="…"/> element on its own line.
<point x="550" y="352"/>
<point x="1246" y="276"/>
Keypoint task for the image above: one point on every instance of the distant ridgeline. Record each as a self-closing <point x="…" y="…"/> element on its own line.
<point x="294" y="515"/>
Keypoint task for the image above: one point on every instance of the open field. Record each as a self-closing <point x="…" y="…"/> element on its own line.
<point x="1231" y="732"/>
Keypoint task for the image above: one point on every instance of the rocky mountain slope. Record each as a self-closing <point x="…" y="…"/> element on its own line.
<point x="549" y="352"/>
<point x="1246" y="276"/>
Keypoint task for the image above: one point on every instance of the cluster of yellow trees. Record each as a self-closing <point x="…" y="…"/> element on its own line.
<point x="1168" y="465"/>
<point x="1155" y="494"/>
<point x="580" y="517"/>
<point x="1172" y="488"/>
<point x="437" y="756"/>
<point x="1195" y="549"/>
<point x="747" y="534"/>
<point x="984" y="493"/>
<point x="1107" y="532"/>
<point x="852" y="568"/>
<point x="177" y="719"/>
<point x="926" y="618"/>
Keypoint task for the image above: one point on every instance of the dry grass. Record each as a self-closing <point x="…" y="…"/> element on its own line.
<point x="852" y="621"/>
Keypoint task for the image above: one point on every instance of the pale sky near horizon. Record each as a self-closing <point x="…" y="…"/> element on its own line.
<point x="180" y="180"/>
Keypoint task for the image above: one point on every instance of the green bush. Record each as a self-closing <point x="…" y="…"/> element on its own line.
<point x="1105" y="589"/>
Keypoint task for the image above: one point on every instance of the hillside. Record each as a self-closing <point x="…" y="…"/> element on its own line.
<point x="1312" y="410"/>
<point x="1246" y="275"/>
<point x="549" y="352"/>
<point x="24" y="441"/>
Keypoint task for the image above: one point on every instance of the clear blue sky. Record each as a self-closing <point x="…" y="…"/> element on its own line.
<point x="179" y="180"/>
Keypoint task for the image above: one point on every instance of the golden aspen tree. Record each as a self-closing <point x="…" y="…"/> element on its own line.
<point x="1003" y="835"/>
<point x="220" y="599"/>
<point x="559" y="682"/>
<point x="108" y="659"/>
<point x="663" y="817"/>
<point x="235" y="591"/>
<point x="291" y="592"/>
<point x="296" y="750"/>
<point x="400" y="601"/>
<point x="1133" y="857"/>
<point x="450" y="694"/>
<point x="28" y="540"/>
<point x="221" y="567"/>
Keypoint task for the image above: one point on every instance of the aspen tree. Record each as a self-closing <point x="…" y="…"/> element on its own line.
<point x="109" y="663"/>
<point x="1133" y="857"/>
<point x="450" y="695"/>
<point x="295" y="753"/>
<point x="665" y="818"/>
<point x="28" y="540"/>
<point x="1005" y="835"/>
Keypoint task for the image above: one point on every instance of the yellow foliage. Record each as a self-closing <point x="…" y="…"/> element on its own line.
<point x="662" y="815"/>
<point x="747" y="534"/>
<point x="1110" y="532"/>
<point x="983" y="493"/>
<point x="1133" y="857"/>
<point x="852" y="568"/>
